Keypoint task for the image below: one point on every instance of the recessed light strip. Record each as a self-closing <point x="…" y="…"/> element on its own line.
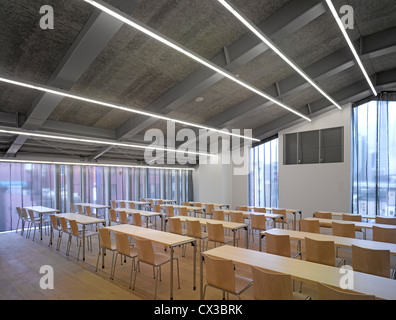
<point x="100" y="142"/>
<point x="163" y="39"/>
<point x="351" y="46"/>
<point x="231" y="8"/>
<point x="91" y="164"/>
<point x="79" y="97"/>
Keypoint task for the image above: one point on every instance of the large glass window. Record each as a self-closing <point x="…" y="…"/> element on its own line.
<point x="263" y="176"/>
<point x="374" y="157"/>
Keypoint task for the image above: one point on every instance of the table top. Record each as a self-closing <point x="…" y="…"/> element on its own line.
<point x="160" y="237"/>
<point x="247" y="214"/>
<point x="270" y="209"/>
<point x="93" y="205"/>
<point x="81" y="219"/>
<point x="328" y="223"/>
<point x="190" y="208"/>
<point x="203" y="221"/>
<point x="206" y="203"/>
<point x="301" y="270"/>
<point x="339" y="214"/>
<point x="142" y="212"/>
<point x="338" y="241"/>
<point x="40" y="209"/>
<point x="133" y="201"/>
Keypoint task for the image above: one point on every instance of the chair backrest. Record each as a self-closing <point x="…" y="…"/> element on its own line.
<point x="323" y="215"/>
<point x="170" y="212"/>
<point x="80" y="209"/>
<point x="215" y="232"/>
<point x="19" y="211"/>
<point x="89" y="211"/>
<point x="278" y="244"/>
<point x="236" y="217"/>
<point x="122" y="243"/>
<point x="31" y="215"/>
<point x="63" y="223"/>
<point x="186" y="203"/>
<point x="74" y="227"/>
<point x="25" y="214"/>
<point x="328" y="293"/>
<point x="376" y="262"/>
<point x="352" y="217"/>
<point x="220" y="273"/>
<point x="242" y="208"/>
<point x="343" y="229"/>
<point x="145" y="250"/>
<point x="385" y="220"/>
<point x="113" y="204"/>
<point x="218" y="215"/>
<point x="160" y="201"/>
<point x="194" y="228"/>
<point x="54" y="222"/>
<point x="384" y="234"/>
<point x="262" y="210"/>
<point x="209" y="208"/>
<point x="113" y="215"/>
<point x="319" y="251"/>
<point x="271" y="286"/>
<point x="312" y="226"/>
<point x="72" y="207"/>
<point x="123" y="217"/>
<point x="131" y="205"/>
<point x="157" y="208"/>
<point x="175" y="226"/>
<point x="183" y="211"/>
<point x="280" y="211"/>
<point x="137" y="219"/>
<point x="258" y="221"/>
<point x="122" y="204"/>
<point x="104" y="238"/>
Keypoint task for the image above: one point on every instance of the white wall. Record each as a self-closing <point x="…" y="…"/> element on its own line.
<point x="318" y="187"/>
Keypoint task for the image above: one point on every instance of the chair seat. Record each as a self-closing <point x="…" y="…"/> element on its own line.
<point x="241" y="283"/>
<point x="160" y="258"/>
<point x="132" y="252"/>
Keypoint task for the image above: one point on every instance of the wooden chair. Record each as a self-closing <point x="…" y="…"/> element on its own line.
<point x="78" y="234"/>
<point x="311" y="226"/>
<point x="242" y="208"/>
<point x="258" y="222"/>
<point x="274" y="286"/>
<point x="216" y="234"/>
<point x="147" y="255"/>
<point x="88" y="211"/>
<point x="105" y="243"/>
<point x="198" y="204"/>
<point x="385" y="220"/>
<point x="328" y="293"/>
<point x="170" y="212"/>
<point x="194" y="230"/>
<point x="64" y="228"/>
<point x="175" y="226"/>
<point x="220" y="274"/>
<point x="136" y="219"/>
<point x="113" y="217"/>
<point x="218" y="215"/>
<point x="320" y="251"/>
<point x="55" y="226"/>
<point x="36" y="222"/>
<point x="236" y="217"/>
<point x="183" y="212"/>
<point x="20" y="218"/>
<point x="343" y="229"/>
<point x="278" y="244"/>
<point x="123" y="204"/>
<point x="209" y="208"/>
<point x="323" y="215"/>
<point x="157" y="208"/>
<point x="356" y="218"/>
<point x="123" y="217"/>
<point x="80" y="209"/>
<point x="279" y="220"/>
<point x="73" y="208"/>
<point x="261" y="210"/>
<point x="125" y="249"/>
<point x="113" y="204"/>
<point x="376" y="262"/>
<point x="384" y="234"/>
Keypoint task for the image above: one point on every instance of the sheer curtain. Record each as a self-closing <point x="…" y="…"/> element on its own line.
<point x="263" y="176"/>
<point x="374" y="156"/>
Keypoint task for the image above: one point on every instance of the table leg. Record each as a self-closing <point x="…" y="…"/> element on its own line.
<point x="41" y="226"/>
<point x="247" y="237"/>
<point x="194" y="243"/>
<point x="234" y="238"/>
<point x="201" y="276"/>
<point x="171" y="272"/>
<point x="83" y="240"/>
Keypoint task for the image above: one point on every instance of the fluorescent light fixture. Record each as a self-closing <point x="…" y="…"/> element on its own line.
<point x="357" y="58"/>
<point x="98" y="141"/>
<point x="91" y="164"/>
<point x="270" y="44"/>
<point x="121" y="16"/>
<point x="79" y="97"/>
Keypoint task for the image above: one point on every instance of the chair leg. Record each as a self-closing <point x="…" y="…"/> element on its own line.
<point x="156" y="285"/>
<point x="130" y="279"/>
<point x="97" y="260"/>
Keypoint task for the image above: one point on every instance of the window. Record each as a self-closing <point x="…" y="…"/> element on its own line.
<point x="263" y="176"/>
<point x="374" y="157"/>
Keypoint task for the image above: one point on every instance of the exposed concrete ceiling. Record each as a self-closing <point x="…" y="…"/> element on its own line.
<point x="91" y="53"/>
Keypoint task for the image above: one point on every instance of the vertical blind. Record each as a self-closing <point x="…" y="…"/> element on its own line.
<point x="263" y="176"/>
<point x="374" y="156"/>
<point x="56" y="186"/>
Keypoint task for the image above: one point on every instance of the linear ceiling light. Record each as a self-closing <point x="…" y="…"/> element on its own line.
<point x="79" y="97"/>
<point x="165" y="40"/>
<point x="270" y="44"/>
<point x="351" y="46"/>
<point x="92" y="164"/>
<point x="99" y="141"/>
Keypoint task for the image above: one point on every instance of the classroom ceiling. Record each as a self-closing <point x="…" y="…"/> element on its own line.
<point x="92" y="54"/>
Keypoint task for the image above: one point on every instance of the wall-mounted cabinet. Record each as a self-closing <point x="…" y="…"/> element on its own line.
<point x="317" y="146"/>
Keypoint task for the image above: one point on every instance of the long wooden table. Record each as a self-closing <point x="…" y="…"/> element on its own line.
<point x="42" y="210"/>
<point x="219" y="205"/>
<point x="247" y="214"/>
<point x="340" y="214"/>
<point x="366" y="225"/>
<point x="84" y="221"/>
<point x="338" y="241"/>
<point x="293" y="211"/>
<point x="189" y="208"/>
<point x="144" y="213"/>
<point x="163" y="238"/>
<point x="301" y="270"/>
<point x="233" y="226"/>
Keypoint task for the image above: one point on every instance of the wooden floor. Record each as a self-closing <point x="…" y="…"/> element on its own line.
<point x="21" y="260"/>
